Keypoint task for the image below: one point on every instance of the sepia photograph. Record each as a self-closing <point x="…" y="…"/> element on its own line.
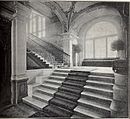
<point x="64" y="59"/>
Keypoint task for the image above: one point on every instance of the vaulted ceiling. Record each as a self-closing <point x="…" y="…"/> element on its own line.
<point x="67" y="11"/>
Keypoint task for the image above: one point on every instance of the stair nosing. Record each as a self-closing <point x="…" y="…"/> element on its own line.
<point x="99" y="88"/>
<point x="100" y="82"/>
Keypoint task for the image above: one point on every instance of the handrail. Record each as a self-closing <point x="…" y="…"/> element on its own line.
<point x="44" y="53"/>
<point x="54" y="51"/>
<point x="49" y="43"/>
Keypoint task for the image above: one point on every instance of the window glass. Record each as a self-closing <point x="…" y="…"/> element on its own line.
<point x="89" y="49"/>
<point x="109" y="41"/>
<point x="98" y="40"/>
<point x="100" y="48"/>
<point x="36" y="24"/>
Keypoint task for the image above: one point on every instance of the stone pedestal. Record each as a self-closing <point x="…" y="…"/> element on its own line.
<point x="119" y="105"/>
<point x="18" y="46"/>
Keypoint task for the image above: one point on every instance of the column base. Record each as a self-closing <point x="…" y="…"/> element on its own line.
<point x="19" y="89"/>
<point x="119" y="109"/>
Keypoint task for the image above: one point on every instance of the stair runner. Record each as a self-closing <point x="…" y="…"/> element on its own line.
<point x="65" y="99"/>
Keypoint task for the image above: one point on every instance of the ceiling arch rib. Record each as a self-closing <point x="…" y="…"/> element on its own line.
<point x="92" y="14"/>
<point x="58" y="11"/>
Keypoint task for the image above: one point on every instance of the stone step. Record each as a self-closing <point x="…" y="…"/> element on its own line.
<point x="94" y="105"/>
<point x="62" y="70"/>
<point x="79" y="73"/>
<point x="105" y="103"/>
<point x="57" y="111"/>
<point x="86" y="87"/>
<point x="101" y="78"/>
<point x="41" y="97"/>
<point x="51" y="86"/>
<point x="75" y="84"/>
<point x="70" y="89"/>
<point x="60" y="73"/>
<point x="61" y="102"/>
<point x="80" y="110"/>
<point x="86" y="94"/>
<point x="67" y="95"/>
<point x="34" y="103"/>
<point x="77" y="78"/>
<point x="57" y="82"/>
<point x="97" y="84"/>
<point x="46" y="91"/>
<point x="57" y="77"/>
<point x="77" y="115"/>
<point x="108" y="93"/>
<point x="102" y="74"/>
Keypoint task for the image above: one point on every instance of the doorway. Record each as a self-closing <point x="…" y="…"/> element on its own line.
<point x="5" y="62"/>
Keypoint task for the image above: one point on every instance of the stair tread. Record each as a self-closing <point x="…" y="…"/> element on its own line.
<point x="96" y="76"/>
<point x="56" y="72"/>
<point x="50" y="85"/>
<point x="102" y="74"/>
<point x="95" y="95"/>
<point x="63" y="70"/>
<point x="87" y="112"/>
<point x="47" y="90"/>
<point x="98" y="88"/>
<point x="63" y="102"/>
<point x="42" y="96"/>
<point x="93" y="103"/>
<point x="66" y="95"/>
<point x="99" y="82"/>
<point x="55" y="81"/>
<point x="61" y="112"/>
<point x="74" y="84"/>
<point x="34" y="102"/>
<point x="59" y="77"/>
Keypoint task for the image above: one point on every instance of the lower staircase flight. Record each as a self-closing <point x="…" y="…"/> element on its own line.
<point x="65" y="99"/>
<point x="73" y="93"/>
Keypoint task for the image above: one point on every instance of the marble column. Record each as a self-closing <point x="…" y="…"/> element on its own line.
<point x="68" y="40"/>
<point x="18" y="46"/>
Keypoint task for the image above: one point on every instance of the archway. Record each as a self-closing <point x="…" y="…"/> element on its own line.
<point x="98" y="14"/>
<point x="98" y="40"/>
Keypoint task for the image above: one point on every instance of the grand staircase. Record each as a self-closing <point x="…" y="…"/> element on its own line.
<point x="50" y="52"/>
<point x="35" y="61"/>
<point x="75" y="94"/>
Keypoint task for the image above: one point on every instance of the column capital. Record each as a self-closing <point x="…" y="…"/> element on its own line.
<point x="22" y="12"/>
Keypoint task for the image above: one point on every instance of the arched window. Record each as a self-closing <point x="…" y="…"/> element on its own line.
<point x="98" y="40"/>
<point x="36" y="24"/>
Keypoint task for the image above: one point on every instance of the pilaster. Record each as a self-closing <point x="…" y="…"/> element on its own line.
<point x="18" y="43"/>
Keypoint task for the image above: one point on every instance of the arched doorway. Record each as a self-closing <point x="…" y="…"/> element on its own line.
<point x="98" y="40"/>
